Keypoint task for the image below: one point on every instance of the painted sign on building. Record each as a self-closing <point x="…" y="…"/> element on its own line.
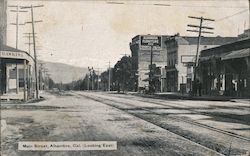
<point x="14" y="55"/>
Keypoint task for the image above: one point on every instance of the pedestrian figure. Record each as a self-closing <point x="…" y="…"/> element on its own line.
<point x="195" y="88"/>
<point x="199" y="87"/>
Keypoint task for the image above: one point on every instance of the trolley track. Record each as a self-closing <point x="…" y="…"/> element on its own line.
<point x="112" y="102"/>
<point x="180" y="104"/>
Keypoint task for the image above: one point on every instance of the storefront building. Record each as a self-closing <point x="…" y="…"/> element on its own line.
<point x="16" y="74"/>
<point x="181" y="52"/>
<point x="225" y="70"/>
<point x="141" y="56"/>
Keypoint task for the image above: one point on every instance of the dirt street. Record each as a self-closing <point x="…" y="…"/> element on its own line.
<point x="82" y="116"/>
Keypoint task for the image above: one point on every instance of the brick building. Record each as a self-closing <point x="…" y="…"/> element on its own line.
<point x="141" y="60"/>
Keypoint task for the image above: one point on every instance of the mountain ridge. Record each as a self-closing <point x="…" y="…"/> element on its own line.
<point x="64" y="73"/>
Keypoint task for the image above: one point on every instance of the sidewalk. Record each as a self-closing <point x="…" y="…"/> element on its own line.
<point x="43" y="96"/>
<point x="176" y="95"/>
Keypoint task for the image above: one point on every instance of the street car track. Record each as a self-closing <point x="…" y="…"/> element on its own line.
<point x="180" y="104"/>
<point x="109" y="102"/>
<point x="101" y="100"/>
<point x="189" y="121"/>
<point x="172" y="117"/>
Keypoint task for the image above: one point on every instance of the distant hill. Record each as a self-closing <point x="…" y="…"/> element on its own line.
<point x="60" y="72"/>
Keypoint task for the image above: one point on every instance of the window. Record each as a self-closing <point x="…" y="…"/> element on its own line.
<point x="21" y="77"/>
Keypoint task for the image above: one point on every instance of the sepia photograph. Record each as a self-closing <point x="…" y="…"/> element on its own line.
<point x="125" y="77"/>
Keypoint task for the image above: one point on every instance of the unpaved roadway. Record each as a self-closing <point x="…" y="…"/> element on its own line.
<point x="85" y="116"/>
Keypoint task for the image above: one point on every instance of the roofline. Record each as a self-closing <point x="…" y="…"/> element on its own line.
<point x="18" y="50"/>
<point x="227" y="44"/>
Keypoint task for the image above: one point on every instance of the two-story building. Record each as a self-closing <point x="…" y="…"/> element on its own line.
<point x="181" y="53"/>
<point x="141" y="56"/>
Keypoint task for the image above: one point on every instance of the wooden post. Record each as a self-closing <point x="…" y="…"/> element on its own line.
<point x="17" y="79"/>
<point x="25" y="81"/>
<point x="7" y="78"/>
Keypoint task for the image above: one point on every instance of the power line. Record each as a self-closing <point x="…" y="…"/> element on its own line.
<point x="129" y="2"/>
<point x="226" y="17"/>
<point x="200" y="6"/>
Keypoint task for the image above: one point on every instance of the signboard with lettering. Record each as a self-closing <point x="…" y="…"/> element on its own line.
<point x="147" y="41"/>
<point x="15" y="55"/>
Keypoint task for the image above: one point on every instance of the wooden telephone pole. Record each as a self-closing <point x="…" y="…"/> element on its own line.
<point x="34" y="43"/>
<point x="200" y="31"/>
<point x="17" y="24"/>
<point x="29" y="36"/>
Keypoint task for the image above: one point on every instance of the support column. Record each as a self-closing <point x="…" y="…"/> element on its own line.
<point x="25" y="82"/>
<point x="248" y="75"/>
<point x="28" y="80"/>
<point x="17" y="80"/>
<point x="218" y="75"/>
<point x="7" y="78"/>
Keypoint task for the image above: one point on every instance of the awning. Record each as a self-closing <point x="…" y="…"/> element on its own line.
<point x="12" y="53"/>
<point x="237" y="54"/>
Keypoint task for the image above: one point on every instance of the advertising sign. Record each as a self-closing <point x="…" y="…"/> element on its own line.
<point x="14" y="55"/>
<point x="147" y="41"/>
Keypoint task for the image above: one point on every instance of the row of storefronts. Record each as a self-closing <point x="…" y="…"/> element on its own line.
<point x="222" y="68"/>
<point x="225" y="70"/>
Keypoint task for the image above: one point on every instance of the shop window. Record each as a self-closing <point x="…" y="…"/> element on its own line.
<point x="21" y="77"/>
<point x="12" y="73"/>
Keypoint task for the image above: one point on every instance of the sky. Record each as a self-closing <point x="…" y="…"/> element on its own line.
<point x="92" y="33"/>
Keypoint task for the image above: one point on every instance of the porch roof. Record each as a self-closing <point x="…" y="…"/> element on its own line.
<point x="237" y="54"/>
<point x="13" y="53"/>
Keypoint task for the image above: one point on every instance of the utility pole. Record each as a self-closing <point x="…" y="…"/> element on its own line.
<point x="98" y="80"/>
<point x="151" y="69"/>
<point x="109" y="77"/>
<point x="92" y="78"/>
<point x="41" y="76"/>
<point x="29" y="40"/>
<point x="200" y="31"/>
<point x="88" y="82"/>
<point x="89" y="76"/>
<point x="17" y="28"/>
<point x="48" y="76"/>
<point x="98" y="77"/>
<point x="17" y="11"/>
<point x="34" y="43"/>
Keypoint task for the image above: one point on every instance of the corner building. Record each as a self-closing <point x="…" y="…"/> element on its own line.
<point x="141" y="60"/>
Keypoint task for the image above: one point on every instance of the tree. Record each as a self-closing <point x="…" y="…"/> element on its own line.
<point x="124" y="78"/>
<point x="51" y="83"/>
